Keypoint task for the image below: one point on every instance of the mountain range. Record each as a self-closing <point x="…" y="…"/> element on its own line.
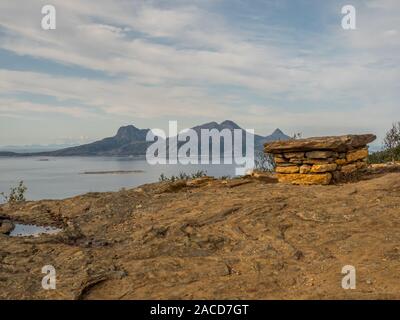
<point x="131" y="141"/>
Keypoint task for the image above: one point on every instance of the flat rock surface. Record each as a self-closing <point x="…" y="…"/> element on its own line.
<point x="334" y="143"/>
<point x="213" y="240"/>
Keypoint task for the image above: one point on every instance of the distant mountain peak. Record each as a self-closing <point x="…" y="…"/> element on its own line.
<point x="130" y="133"/>
<point x="277" y="131"/>
<point x="208" y="125"/>
<point x="226" y="124"/>
<point x="126" y="132"/>
<point x="212" y="124"/>
<point x="128" y="128"/>
<point x="276" y="135"/>
<point x="229" y="124"/>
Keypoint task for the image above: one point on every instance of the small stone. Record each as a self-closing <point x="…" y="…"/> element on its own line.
<point x="285" y="164"/>
<point x="296" y="161"/>
<point x="341" y="162"/>
<point x="298" y="255"/>
<point x="291" y="169"/>
<point x="264" y="176"/>
<point x="279" y="160"/>
<point x="320" y="154"/>
<point x="6" y="227"/>
<point x="319" y="161"/>
<point x="350" y="168"/>
<point x="361" y="165"/>
<point x="319" y="168"/>
<point x="305" y="169"/>
<point x="357" y="155"/>
<point x="297" y="155"/>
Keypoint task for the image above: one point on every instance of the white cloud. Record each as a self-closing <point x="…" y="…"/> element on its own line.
<point x="165" y="61"/>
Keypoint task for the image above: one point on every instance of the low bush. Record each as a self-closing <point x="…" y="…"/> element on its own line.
<point x="17" y="194"/>
<point x="183" y="176"/>
<point x="384" y="156"/>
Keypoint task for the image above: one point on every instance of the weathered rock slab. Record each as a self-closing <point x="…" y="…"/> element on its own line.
<point x="264" y="176"/>
<point x="333" y="143"/>
<point x="320" y="168"/>
<point x="291" y="169"/>
<point x="341" y="162"/>
<point x="350" y="168"/>
<point x="319" y="161"/>
<point x="307" y="179"/>
<point x="325" y="154"/>
<point x="280" y="160"/>
<point x="297" y="155"/>
<point x="357" y="155"/>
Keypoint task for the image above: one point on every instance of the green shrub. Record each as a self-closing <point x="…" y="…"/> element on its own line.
<point x="183" y="176"/>
<point x="384" y="156"/>
<point x="17" y="194"/>
<point x="391" y="143"/>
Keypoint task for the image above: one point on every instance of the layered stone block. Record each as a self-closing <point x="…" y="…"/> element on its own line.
<point x="298" y="178"/>
<point x="320" y="160"/>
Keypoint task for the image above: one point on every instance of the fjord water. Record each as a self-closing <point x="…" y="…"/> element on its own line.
<point x="62" y="177"/>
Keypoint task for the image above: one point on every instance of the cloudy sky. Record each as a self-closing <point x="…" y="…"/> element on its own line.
<point x="261" y="63"/>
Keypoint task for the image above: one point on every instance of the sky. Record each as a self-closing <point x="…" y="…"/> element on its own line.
<point x="261" y="63"/>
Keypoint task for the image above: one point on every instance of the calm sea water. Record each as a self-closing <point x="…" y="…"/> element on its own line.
<point x="62" y="177"/>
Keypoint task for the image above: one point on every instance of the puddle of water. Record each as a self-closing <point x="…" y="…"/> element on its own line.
<point x="26" y="230"/>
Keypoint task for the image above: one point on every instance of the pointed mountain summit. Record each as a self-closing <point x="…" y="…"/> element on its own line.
<point x="231" y="125"/>
<point x="208" y="125"/>
<point x="277" y="132"/>
<point x="129" y="140"/>
<point x="277" y="135"/>
<point x="131" y="133"/>
<point x="228" y="124"/>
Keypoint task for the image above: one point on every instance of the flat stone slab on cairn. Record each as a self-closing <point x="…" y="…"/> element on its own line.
<point x="320" y="160"/>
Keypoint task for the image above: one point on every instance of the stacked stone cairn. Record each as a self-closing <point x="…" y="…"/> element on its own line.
<point x="320" y="160"/>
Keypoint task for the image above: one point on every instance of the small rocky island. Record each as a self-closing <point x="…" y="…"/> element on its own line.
<point x="320" y="160"/>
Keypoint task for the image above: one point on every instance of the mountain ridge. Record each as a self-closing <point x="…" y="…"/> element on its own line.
<point x="131" y="141"/>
